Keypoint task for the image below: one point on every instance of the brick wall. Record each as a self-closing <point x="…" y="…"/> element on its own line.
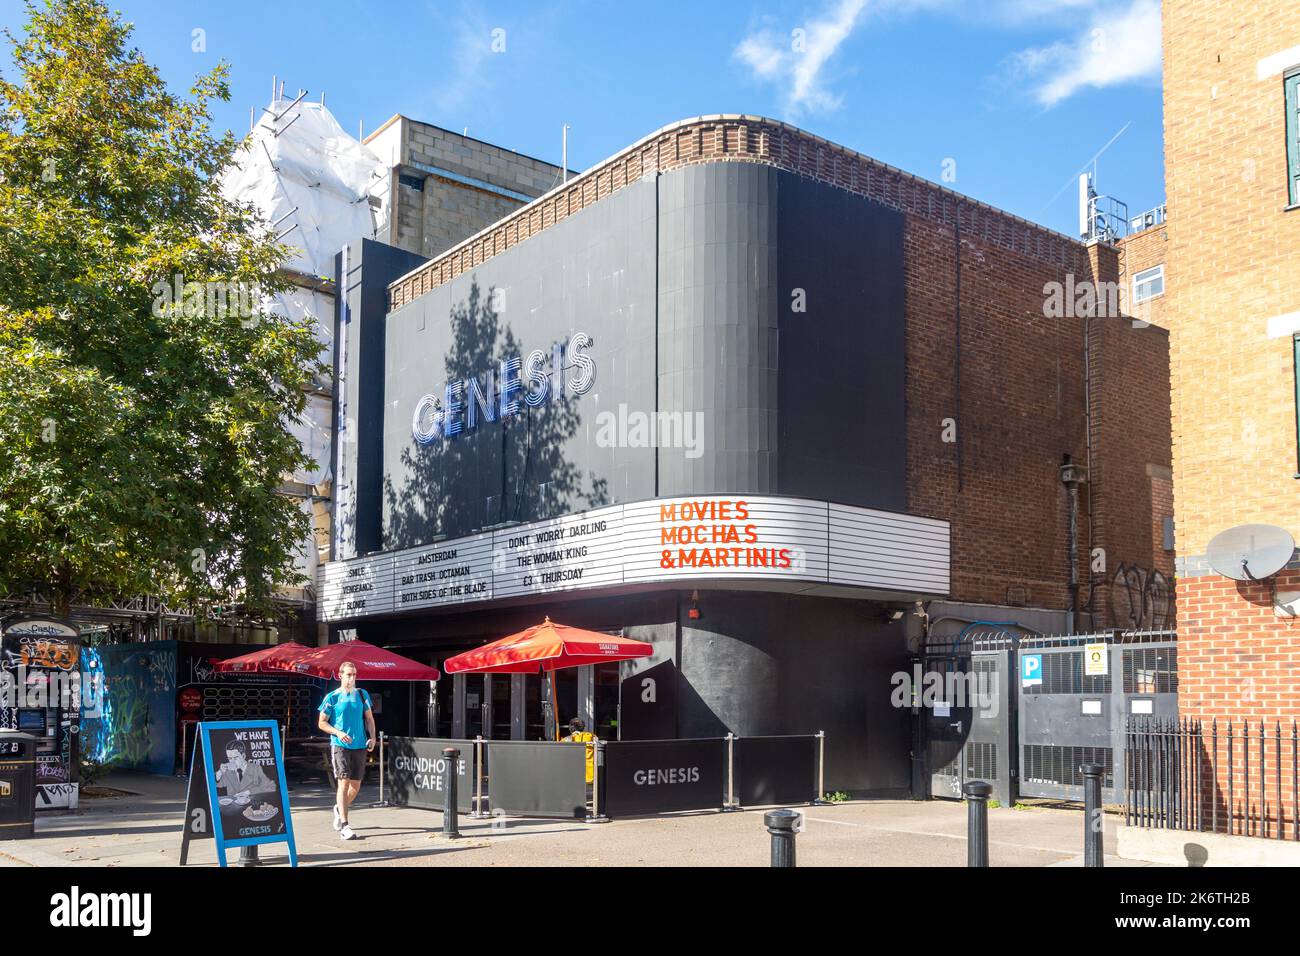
<point x="1233" y="386"/>
<point x="1017" y="411"/>
<point x="1139" y="252"/>
<point x="444" y="209"/>
<point x="1231" y="266"/>
<point x="1129" y="475"/>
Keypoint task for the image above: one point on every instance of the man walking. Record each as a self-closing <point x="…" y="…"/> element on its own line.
<point x="346" y="716"/>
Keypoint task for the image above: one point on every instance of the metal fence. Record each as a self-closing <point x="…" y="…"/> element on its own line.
<point x="1043" y="710"/>
<point x="1234" y="778"/>
<point x="1069" y="716"/>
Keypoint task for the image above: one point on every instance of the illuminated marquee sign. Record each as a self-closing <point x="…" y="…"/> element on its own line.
<point x="451" y="573"/>
<point x="793" y="541"/>
<point x="504" y="391"/>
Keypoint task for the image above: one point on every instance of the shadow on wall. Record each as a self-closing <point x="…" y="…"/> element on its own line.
<point x="513" y="469"/>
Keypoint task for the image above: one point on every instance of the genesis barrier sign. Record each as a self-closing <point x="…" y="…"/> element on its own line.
<point x="664" y="776"/>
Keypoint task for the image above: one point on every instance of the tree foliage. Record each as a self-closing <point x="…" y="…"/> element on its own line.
<point x="143" y="435"/>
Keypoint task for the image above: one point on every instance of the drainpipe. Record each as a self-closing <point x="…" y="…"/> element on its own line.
<point x="1072" y="476"/>
<point x="1088" y="451"/>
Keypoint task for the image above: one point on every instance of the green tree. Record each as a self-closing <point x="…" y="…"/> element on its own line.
<point x="143" y="434"/>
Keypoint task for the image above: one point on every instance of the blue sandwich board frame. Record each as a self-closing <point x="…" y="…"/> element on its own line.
<point x="193" y="828"/>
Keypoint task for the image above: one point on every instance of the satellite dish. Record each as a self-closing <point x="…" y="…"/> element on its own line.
<point x="1251" y="552"/>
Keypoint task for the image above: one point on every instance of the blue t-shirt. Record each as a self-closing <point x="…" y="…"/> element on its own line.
<point x="347" y="712"/>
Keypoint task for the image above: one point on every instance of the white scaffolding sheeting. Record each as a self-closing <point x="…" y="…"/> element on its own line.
<point x="315" y="183"/>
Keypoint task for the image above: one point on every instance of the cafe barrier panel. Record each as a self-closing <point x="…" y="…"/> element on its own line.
<point x="537" y="778"/>
<point x="772" y="770"/>
<point x="631" y="777"/>
<point x="413" y="772"/>
<point x="662" y="776"/>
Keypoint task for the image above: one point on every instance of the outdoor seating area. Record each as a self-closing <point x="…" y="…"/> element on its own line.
<point x="600" y="780"/>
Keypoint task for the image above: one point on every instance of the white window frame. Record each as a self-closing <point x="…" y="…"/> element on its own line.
<point x="1146" y="276"/>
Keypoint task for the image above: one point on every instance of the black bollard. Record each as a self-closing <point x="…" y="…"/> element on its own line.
<point x="248" y="856"/>
<point x="977" y="822"/>
<point x="781" y="824"/>
<point x="1093" y="851"/>
<point x="450" y="828"/>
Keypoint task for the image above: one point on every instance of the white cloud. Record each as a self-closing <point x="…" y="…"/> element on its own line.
<point x="1120" y="44"/>
<point x="469" y="57"/>
<point x="797" y="60"/>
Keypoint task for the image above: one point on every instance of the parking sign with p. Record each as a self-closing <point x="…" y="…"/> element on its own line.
<point x="1031" y="670"/>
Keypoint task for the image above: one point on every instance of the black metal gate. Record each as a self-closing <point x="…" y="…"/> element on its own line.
<point x="1075" y="694"/>
<point x="1024" y="712"/>
<point x="964" y="706"/>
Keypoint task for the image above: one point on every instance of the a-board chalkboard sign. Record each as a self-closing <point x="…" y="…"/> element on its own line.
<point x="237" y="767"/>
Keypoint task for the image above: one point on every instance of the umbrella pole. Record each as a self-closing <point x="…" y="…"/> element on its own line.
<point x="555" y="707"/>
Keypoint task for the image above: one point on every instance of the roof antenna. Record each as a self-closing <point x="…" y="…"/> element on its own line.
<point x="564" y="161"/>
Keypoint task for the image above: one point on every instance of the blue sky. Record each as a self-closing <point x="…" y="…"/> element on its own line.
<point x="1012" y="97"/>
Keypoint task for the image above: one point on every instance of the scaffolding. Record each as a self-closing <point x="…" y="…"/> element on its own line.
<point x="319" y="188"/>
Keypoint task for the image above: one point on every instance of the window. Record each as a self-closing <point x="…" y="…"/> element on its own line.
<point x="1292" y="84"/>
<point x="1149" y="283"/>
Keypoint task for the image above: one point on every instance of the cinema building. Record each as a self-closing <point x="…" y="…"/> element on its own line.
<point x="773" y="406"/>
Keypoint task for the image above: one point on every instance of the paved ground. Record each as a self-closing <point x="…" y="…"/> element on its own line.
<point x="143" y="829"/>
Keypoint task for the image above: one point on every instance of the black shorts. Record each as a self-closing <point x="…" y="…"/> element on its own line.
<point x="349" y="764"/>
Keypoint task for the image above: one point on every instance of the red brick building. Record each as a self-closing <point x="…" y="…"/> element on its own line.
<point x="1232" y="305"/>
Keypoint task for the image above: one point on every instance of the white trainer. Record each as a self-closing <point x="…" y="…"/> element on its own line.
<point x="338" y="818"/>
<point x="346" y="833"/>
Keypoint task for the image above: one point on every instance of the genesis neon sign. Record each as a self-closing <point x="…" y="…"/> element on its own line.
<point x="501" y="392"/>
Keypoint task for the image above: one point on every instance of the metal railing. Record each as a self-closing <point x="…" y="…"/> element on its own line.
<point x="1146" y="220"/>
<point x="1235" y="778"/>
<point x="1107" y="219"/>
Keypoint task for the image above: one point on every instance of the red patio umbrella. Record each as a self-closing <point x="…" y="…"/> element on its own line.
<point x="262" y="660"/>
<point x="372" y="663"/>
<point x="265" y="661"/>
<point x="546" y="647"/>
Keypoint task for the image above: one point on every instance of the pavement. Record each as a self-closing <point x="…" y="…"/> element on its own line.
<point x="141" y="827"/>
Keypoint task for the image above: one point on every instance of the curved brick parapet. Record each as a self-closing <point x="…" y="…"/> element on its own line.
<point x="747" y="139"/>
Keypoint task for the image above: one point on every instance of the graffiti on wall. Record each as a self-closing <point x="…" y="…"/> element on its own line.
<point x="1140" y="599"/>
<point x="32" y="651"/>
<point x="56" y="796"/>
<point x="31" y="641"/>
<point x="135" y="728"/>
<point x="52" y="769"/>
